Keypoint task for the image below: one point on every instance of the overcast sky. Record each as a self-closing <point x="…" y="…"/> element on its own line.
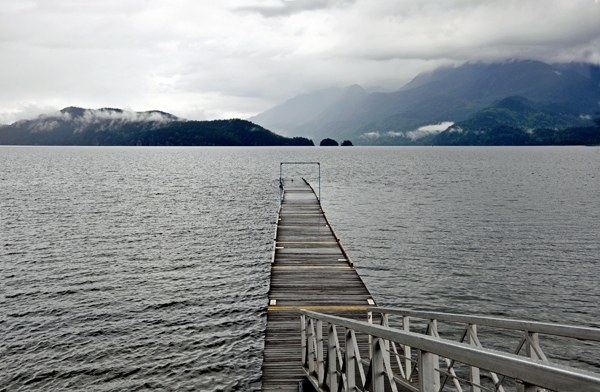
<point x="233" y="58"/>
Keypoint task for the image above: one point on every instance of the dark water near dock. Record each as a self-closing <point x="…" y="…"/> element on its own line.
<point x="148" y="268"/>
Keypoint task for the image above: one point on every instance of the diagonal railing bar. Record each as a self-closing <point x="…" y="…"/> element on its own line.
<point x="516" y="352"/>
<point x="399" y="360"/>
<point x="369" y="376"/>
<point x="337" y="348"/>
<point x="468" y="382"/>
<point x="529" y="373"/>
<point x="534" y="344"/>
<point x="341" y="374"/>
<point x="361" y="369"/>
<point x="494" y="376"/>
<point x="530" y="338"/>
<point x="388" y="367"/>
<point x="450" y="366"/>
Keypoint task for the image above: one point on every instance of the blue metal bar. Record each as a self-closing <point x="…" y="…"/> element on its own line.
<point x="296" y="163"/>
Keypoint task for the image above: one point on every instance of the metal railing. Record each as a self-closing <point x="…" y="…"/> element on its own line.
<point x="391" y="366"/>
<point x="296" y="163"/>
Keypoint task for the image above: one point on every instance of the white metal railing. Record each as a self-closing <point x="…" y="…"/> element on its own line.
<point x="391" y="366"/>
<point x="529" y="330"/>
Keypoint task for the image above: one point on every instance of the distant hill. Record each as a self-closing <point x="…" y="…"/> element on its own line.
<point x="115" y="127"/>
<point x="518" y="121"/>
<point x="505" y="135"/>
<point x="523" y="113"/>
<point x="567" y="93"/>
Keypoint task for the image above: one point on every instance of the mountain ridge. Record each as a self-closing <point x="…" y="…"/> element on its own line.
<point x="449" y="94"/>
<point x="110" y="126"/>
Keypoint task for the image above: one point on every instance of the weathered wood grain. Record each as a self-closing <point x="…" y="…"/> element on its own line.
<point x="310" y="271"/>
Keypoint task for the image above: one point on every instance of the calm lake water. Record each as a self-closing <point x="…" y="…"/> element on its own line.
<point x="130" y="268"/>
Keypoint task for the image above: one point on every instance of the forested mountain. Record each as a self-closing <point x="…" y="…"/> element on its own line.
<point x="567" y="94"/>
<point x="115" y="127"/>
<point x="518" y="121"/>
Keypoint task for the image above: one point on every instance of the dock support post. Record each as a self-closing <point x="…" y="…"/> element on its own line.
<point x="377" y="372"/>
<point x="426" y="372"/>
<point x="311" y="346"/>
<point x="303" y="337"/>
<point x="331" y="359"/>
<point x="436" y="359"/>
<point x="350" y="361"/>
<point x="474" y="371"/>
<point x="320" y="359"/>
<point x="370" y="321"/>
<point x="385" y="321"/>
<point x="407" y="361"/>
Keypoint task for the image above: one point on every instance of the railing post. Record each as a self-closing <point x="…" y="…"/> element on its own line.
<point x="474" y="371"/>
<point x="332" y="360"/>
<point x="436" y="358"/>
<point x="350" y="360"/>
<point x="370" y="321"/>
<point x="533" y="337"/>
<point x="303" y="338"/>
<point x="311" y="346"/>
<point x="377" y="372"/>
<point x="427" y="372"/>
<point x="407" y="361"/>
<point x="320" y="360"/>
<point x="525" y="387"/>
<point x="385" y="321"/>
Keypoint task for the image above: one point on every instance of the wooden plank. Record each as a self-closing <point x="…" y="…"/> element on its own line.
<point x="310" y="271"/>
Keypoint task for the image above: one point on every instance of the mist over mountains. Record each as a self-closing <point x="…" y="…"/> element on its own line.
<point x="109" y="127"/>
<point x="556" y="96"/>
<point x="509" y="103"/>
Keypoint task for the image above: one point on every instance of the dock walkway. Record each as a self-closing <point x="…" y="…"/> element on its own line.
<point x="309" y="270"/>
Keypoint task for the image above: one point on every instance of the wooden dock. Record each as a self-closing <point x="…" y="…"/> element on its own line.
<point x="309" y="270"/>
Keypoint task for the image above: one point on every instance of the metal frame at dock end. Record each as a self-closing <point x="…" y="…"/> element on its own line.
<point x="296" y="163"/>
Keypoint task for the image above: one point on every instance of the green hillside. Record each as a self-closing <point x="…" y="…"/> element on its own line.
<point x="114" y="127"/>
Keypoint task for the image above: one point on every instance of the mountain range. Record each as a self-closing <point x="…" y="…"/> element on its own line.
<point x="555" y="96"/>
<point x="110" y="127"/>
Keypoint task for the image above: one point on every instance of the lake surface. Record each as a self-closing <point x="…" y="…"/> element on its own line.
<point x="130" y="268"/>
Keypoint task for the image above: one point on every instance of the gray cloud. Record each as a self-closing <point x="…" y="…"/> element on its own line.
<point x="290" y="7"/>
<point x="235" y="58"/>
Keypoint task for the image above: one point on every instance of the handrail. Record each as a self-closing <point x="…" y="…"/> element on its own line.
<point x="531" y="372"/>
<point x="570" y="331"/>
<point x="296" y="163"/>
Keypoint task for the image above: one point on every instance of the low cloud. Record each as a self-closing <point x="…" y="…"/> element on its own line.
<point x="24" y="112"/>
<point x="109" y="119"/>
<point x="455" y="129"/>
<point x="123" y="116"/>
<point x="426" y="130"/>
<point x="370" y="135"/>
